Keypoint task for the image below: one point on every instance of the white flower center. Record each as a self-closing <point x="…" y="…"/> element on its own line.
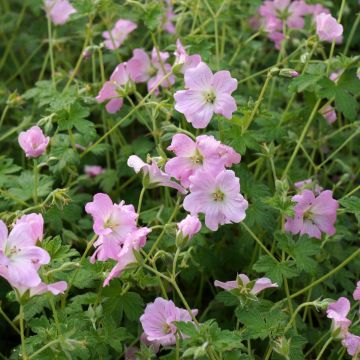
<point x="210" y="97"/>
<point x="218" y="195"/>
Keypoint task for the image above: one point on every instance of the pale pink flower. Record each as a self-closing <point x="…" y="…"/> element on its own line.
<point x="335" y="75"/>
<point x="328" y="29"/>
<point x="203" y="153"/>
<point x="313" y="215"/>
<point x="352" y="344"/>
<point x="188" y="227"/>
<point x="59" y="11"/>
<point x="182" y="58"/>
<point x="112" y="89"/>
<point x="55" y="288"/>
<point x="36" y="222"/>
<point x="337" y="311"/>
<point x="153" y="175"/>
<point x="121" y="30"/>
<point x="112" y="222"/>
<point x="217" y="196"/>
<point x="93" y="170"/>
<point x="260" y="284"/>
<point x="158" y="321"/>
<point x="143" y="69"/>
<point x="33" y="142"/>
<point x="168" y="23"/>
<point x="206" y="93"/>
<point x="329" y="114"/>
<point x="20" y="259"/>
<point x="356" y="293"/>
<point x="133" y="241"/>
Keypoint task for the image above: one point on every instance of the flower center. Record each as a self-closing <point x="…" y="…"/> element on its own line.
<point x="152" y="71"/>
<point x="167" y="328"/>
<point x="210" y="97"/>
<point x="197" y="158"/>
<point x="218" y="195"/>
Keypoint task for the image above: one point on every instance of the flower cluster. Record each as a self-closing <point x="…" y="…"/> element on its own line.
<point x="338" y="312"/>
<point x="118" y="234"/>
<point x="277" y="15"/>
<point x="21" y="258"/>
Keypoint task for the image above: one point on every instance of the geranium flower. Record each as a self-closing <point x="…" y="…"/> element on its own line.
<point x="182" y="58"/>
<point x="33" y="142"/>
<point x="158" y="321"/>
<point x="36" y="223"/>
<point x="20" y="259"/>
<point x="154" y="176"/>
<point x="169" y="16"/>
<point x="352" y="344"/>
<point x="206" y="93"/>
<point x="59" y="11"/>
<point x="203" y="153"/>
<point x="112" y="222"/>
<point x="133" y="241"/>
<point x="328" y="29"/>
<point x="217" y="196"/>
<point x="329" y="114"/>
<point x="121" y="30"/>
<point x="313" y="215"/>
<point x="143" y="69"/>
<point x="337" y="311"/>
<point x="188" y="227"/>
<point x="260" y="284"/>
<point x="93" y="170"/>
<point x="111" y="89"/>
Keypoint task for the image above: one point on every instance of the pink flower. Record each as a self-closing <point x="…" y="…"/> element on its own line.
<point x="121" y="30"/>
<point x="59" y="11"/>
<point x="143" y="69"/>
<point x="153" y="175"/>
<point x="93" y="170"/>
<point x="112" y="222"/>
<point x="158" y="321"/>
<point x="352" y="344"/>
<point x="335" y="75"/>
<point x="356" y="293"/>
<point x="313" y="215"/>
<point x="55" y="288"/>
<point x="205" y="95"/>
<point x="188" y="227"/>
<point x="112" y="89"/>
<point x="36" y="222"/>
<point x="337" y="311"/>
<point x="328" y="29"/>
<point x="204" y="153"/>
<point x="242" y="280"/>
<point x="33" y="142"/>
<point x="20" y="259"/>
<point x="133" y="241"/>
<point x="182" y="58"/>
<point x="168" y="24"/>
<point x="329" y="114"/>
<point x="217" y="196"/>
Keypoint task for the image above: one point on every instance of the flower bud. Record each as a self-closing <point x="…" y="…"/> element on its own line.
<point x="289" y="73"/>
<point x="187" y="228"/>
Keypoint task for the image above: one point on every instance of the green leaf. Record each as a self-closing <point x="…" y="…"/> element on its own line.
<point x="352" y="205"/>
<point x="346" y="103"/>
<point x="276" y="270"/>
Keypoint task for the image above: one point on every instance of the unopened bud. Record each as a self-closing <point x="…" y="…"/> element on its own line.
<point x="289" y="73"/>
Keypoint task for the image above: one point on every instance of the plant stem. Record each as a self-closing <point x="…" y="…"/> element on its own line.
<point x="21" y="319"/>
<point x="36" y="353"/>
<point x="324" y="348"/>
<point x="258" y="241"/>
<point x="36" y="182"/>
<point x="258" y="101"/>
<point x="140" y="202"/>
<point x="326" y="276"/>
<point x="51" y="52"/>
<point x="301" y="139"/>
<point x="8" y="320"/>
